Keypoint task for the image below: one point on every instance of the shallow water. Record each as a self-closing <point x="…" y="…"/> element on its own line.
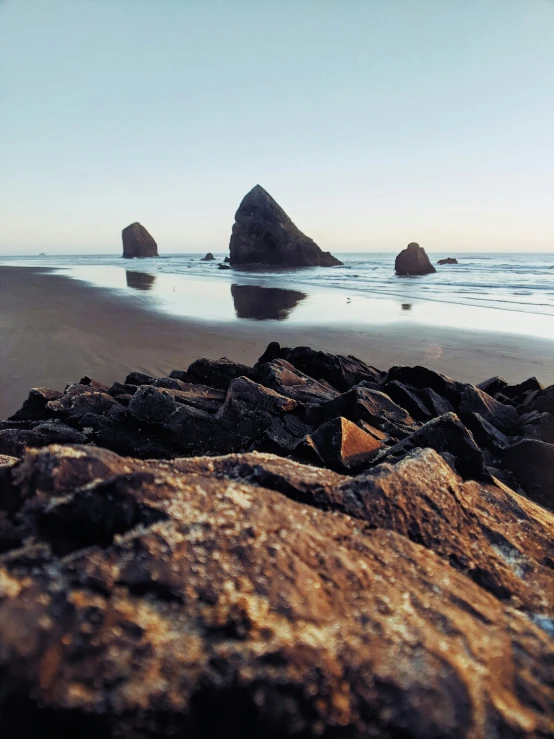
<point x="509" y="293"/>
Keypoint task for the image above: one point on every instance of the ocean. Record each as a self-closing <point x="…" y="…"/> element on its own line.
<point x="508" y="292"/>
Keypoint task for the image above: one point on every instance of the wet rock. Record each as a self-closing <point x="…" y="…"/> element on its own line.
<point x="264" y="234"/>
<point x="422" y="377"/>
<point x="448" y="260"/>
<point x="223" y="266"/>
<point x="450" y="438"/>
<point x="340" y="371"/>
<point x="181" y="375"/>
<point x="344" y="447"/>
<point x="197" y="606"/>
<point x="281" y="376"/>
<point x="413" y="261"/>
<point x="208" y="258"/>
<point x="218" y="373"/>
<point x="532" y="462"/>
<point x="137" y="242"/>
<point x="34" y="408"/>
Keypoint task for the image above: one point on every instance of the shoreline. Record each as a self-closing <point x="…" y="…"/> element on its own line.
<point x="54" y="329"/>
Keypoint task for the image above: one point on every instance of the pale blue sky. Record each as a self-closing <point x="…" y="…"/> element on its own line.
<point x="372" y="122"/>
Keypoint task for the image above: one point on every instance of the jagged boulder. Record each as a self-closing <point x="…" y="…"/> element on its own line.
<point x="264" y="234"/>
<point x="146" y="599"/>
<point x="137" y="242"/>
<point x="413" y="261"/>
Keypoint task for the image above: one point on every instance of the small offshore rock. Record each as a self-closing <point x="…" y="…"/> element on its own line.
<point x="413" y="261"/>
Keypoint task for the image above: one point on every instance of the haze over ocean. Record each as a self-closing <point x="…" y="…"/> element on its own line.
<point x="372" y="123"/>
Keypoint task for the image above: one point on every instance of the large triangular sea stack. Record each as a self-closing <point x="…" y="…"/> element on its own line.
<point x="137" y="242"/>
<point x="264" y="234"/>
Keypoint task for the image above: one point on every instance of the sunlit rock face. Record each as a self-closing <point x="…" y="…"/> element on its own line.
<point x="264" y="234"/>
<point x="137" y="242"/>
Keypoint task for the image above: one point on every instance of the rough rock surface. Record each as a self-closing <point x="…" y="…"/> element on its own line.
<point x="398" y="582"/>
<point x="264" y="234"/>
<point x="147" y="601"/>
<point x="137" y="242"/>
<point x="413" y="261"/>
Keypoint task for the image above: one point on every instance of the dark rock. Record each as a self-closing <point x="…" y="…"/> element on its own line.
<point x="223" y="266"/>
<point x="344" y="447"/>
<point x="197" y="432"/>
<point x="218" y="373"/>
<point x="370" y="406"/>
<point x="342" y="372"/>
<point x="448" y="260"/>
<point x="422" y="377"/>
<point x="408" y="399"/>
<point x="450" y="438"/>
<point x="151" y="405"/>
<point x="199" y="396"/>
<point x="264" y="234"/>
<point x="473" y="400"/>
<point x="34" y="408"/>
<point x="413" y="261"/>
<point x="94" y="384"/>
<point x="493" y="385"/>
<point x="514" y="392"/>
<point x="281" y="376"/>
<point x="192" y="605"/>
<point x="485" y="434"/>
<point x="541" y="428"/>
<point x="13" y="442"/>
<point x="77" y="404"/>
<point x="181" y="375"/>
<point x="226" y="260"/>
<point x="137" y="242"/>
<point x="532" y="462"/>
<point x="437" y="405"/>
<point x="118" y="389"/>
<point x="208" y="258"/>
<point x="544" y="401"/>
<point x="505" y="400"/>
<point x="138" y="378"/>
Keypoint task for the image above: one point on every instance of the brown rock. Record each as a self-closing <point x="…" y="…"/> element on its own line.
<point x="34" y="407"/>
<point x="218" y="373"/>
<point x="281" y="376"/>
<point x="344" y="447"/>
<point x="218" y="608"/>
<point x="137" y="242"/>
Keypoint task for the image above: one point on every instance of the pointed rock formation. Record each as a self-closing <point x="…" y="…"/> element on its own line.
<point x="264" y="234"/>
<point x="137" y="242"/>
<point x="413" y="261"/>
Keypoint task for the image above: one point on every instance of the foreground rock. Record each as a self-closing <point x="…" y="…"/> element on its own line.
<point x="190" y="598"/>
<point x="413" y="261"/>
<point x="264" y="234"/>
<point x="137" y="242"/>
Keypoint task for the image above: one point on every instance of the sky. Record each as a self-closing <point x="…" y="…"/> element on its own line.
<point x="372" y="122"/>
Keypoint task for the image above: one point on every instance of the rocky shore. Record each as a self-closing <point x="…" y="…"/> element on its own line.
<point x="306" y="547"/>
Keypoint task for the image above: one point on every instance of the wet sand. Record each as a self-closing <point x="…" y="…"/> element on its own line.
<point x="54" y="329"/>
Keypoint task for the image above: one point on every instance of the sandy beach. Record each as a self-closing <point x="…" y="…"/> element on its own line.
<point x="54" y="329"/>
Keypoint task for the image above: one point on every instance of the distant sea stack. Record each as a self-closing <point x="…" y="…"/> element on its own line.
<point x="264" y="234"/>
<point x="413" y="261"/>
<point x="448" y="260"/>
<point x="137" y="242"/>
<point x="208" y="258"/>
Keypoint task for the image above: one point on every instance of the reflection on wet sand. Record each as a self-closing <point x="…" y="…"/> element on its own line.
<point x="140" y="280"/>
<point x="262" y="303"/>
